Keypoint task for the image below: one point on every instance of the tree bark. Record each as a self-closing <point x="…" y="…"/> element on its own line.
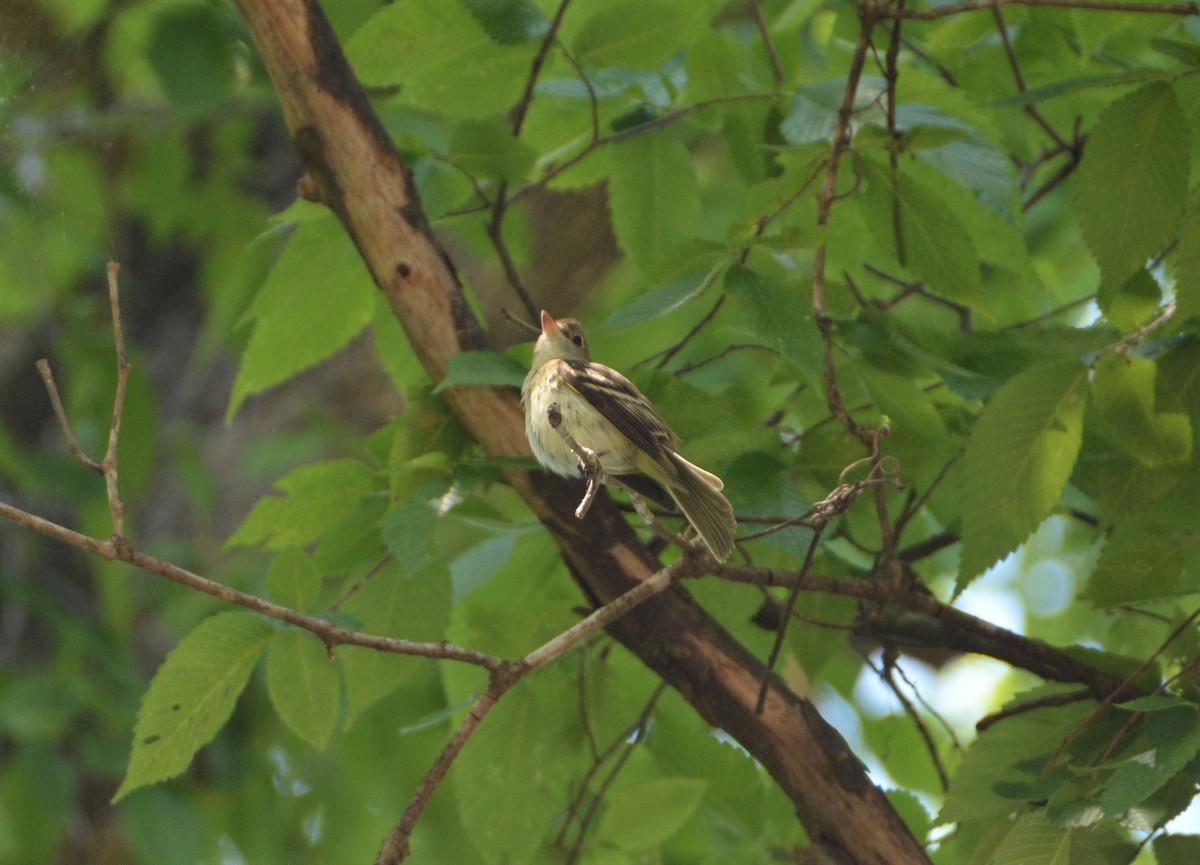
<point x="353" y="168"/>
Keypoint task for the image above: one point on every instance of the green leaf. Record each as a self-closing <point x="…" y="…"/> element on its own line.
<point x="1009" y="754"/>
<point x="192" y="55"/>
<point x="647" y="814"/>
<point x="408" y="528"/>
<point x="391" y="604"/>
<point x="1034" y="95"/>
<point x="634" y="34"/>
<point x="528" y="749"/>
<point x="1151" y="554"/>
<point x="293" y="580"/>
<point x="509" y="22"/>
<point x="488" y="149"/>
<point x="1133" y="180"/>
<point x="192" y="696"/>
<point x="781" y="319"/>
<point x="316" y="496"/>
<point x="483" y="369"/>
<point x="927" y="237"/>
<point x="1175" y="734"/>
<point x="1177" y="849"/>
<point x="304" y="685"/>
<point x="1018" y="460"/>
<point x="1123" y="388"/>
<point x="443" y="58"/>
<point x="657" y="303"/>
<point x="317" y="298"/>
<point x="653" y="196"/>
<point x="1128" y="305"/>
<point x="1033" y="840"/>
<point x="1187" y="263"/>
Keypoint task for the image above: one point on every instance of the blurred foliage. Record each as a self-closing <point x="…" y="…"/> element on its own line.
<point x="1012" y="268"/>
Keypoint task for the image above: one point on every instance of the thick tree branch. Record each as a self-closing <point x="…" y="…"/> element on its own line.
<point x="353" y="167"/>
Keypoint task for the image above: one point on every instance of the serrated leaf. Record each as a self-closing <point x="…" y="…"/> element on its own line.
<point x="192" y="696"/>
<point x="780" y="317"/>
<point x="1034" y="840"/>
<point x="1123" y="388"/>
<point x="1151" y="554"/>
<point x="1011" y="752"/>
<point x="315" y="497"/>
<point x="293" y="580"/>
<point x="925" y="234"/>
<point x="509" y="22"/>
<point x="391" y="604"/>
<point x="1133" y="180"/>
<point x="443" y="57"/>
<point x="1018" y="460"/>
<point x="646" y="814"/>
<point x="527" y="729"/>
<point x="635" y="34"/>
<point x="486" y="149"/>
<point x="483" y="369"/>
<point x="304" y="685"/>
<point x="317" y="298"/>
<point x="653" y="304"/>
<point x="1176" y="737"/>
<point x="407" y="529"/>
<point x="653" y="196"/>
<point x="1128" y="305"/>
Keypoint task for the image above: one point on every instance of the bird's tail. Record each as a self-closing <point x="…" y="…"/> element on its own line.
<point x="698" y="494"/>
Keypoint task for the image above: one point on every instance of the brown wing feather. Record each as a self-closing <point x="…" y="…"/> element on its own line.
<point x="620" y="402"/>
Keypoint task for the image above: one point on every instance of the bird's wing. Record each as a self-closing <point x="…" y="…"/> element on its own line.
<point x="620" y="402"/>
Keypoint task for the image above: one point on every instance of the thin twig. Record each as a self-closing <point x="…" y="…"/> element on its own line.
<point x="396" y="847"/>
<point x="522" y="107"/>
<point x="788" y="609"/>
<point x="885" y="673"/>
<point x="665" y="356"/>
<point x="1129" y="680"/>
<point x="630" y="738"/>
<point x="1031" y="110"/>
<point x="330" y="634"/>
<point x="1040" y="703"/>
<point x="43" y="367"/>
<point x="116" y="507"/>
<point x="759" y="22"/>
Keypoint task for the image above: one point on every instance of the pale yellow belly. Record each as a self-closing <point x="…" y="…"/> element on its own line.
<point x="587" y="426"/>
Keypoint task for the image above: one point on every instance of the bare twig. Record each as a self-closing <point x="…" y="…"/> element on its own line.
<point x="768" y="45"/>
<point x="1031" y="110"/>
<point x="43" y="367"/>
<point x="518" y="113"/>
<point x="330" y="634"/>
<point x="115" y="507"/>
<point x="886" y="674"/>
<point x="1040" y="703"/>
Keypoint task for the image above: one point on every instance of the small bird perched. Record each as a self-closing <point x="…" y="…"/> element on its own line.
<point x="606" y="413"/>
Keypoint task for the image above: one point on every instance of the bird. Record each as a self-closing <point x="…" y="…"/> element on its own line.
<point x="605" y="412"/>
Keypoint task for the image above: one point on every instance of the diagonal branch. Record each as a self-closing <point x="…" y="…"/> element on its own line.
<point x="353" y="167"/>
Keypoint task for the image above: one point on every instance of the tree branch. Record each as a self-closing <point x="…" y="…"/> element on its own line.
<point x="355" y="169"/>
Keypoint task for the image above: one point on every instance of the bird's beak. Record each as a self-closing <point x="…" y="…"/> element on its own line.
<point x="549" y="325"/>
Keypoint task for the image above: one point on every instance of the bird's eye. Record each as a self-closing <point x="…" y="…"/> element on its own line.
<point x="578" y="340"/>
